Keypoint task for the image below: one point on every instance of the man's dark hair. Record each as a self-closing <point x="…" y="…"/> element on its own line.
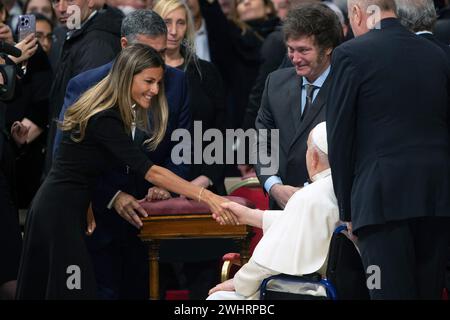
<point x="146" y="22"/>
<point x="316" y="20"/>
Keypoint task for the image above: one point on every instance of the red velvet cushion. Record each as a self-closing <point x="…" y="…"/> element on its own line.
<point x="231" y="257"/>
<point x="185" y="206"/>
<point x="177" y="295"/>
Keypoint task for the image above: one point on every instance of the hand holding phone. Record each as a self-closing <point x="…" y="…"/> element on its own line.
<point x="28" y="47"/>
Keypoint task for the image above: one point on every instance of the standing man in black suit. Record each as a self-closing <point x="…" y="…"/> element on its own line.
<point x="389" y="147"/>
<point x="294" y="98"/>
<point x="420" y="16"/>
<point x="442" y="27"/>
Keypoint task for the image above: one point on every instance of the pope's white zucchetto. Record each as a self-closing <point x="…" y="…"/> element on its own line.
<point x="319" y="137"/>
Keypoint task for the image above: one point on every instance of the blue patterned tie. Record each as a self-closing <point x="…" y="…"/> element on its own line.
<point x="309" y="98"/>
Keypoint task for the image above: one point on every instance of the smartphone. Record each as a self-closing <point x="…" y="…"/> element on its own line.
<point x="27" y="25"/>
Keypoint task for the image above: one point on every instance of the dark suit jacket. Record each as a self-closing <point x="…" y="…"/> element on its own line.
<point x="442" y="26"/>
<point x="437" y="42"/>
<point x="388" y="130"/>
<point x="280" y="109"/>
<point x="121" y="179"/>
<point x="96" y="43"/>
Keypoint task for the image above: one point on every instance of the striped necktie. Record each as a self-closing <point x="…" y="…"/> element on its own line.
<point x="309" y="98"/>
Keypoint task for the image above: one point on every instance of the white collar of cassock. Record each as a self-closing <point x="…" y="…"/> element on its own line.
<point x="323" y="174"/>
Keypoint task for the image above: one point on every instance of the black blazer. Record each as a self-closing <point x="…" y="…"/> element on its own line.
<point x="388" y="130"/>
<point x="437" y="42"/>
<point x="442" y="26"/>
<point x="280" y="109"/>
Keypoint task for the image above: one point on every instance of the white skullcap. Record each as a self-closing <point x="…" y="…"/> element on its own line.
<point x="319" y="137"/>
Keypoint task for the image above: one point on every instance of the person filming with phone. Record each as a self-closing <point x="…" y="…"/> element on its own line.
<point x="23" y="117"/>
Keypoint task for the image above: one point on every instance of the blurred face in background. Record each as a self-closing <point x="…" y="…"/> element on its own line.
<point x="43" y="7"/>
<point x="136" y="4"/>
<point x="227" y="6"/>
<point x="3" y="15"/>
<point x="251" y="9"/>
<point x="176" y="22"/>
<point x="194" y="6"/>
<point x="62" y="13"/>
<point x="281" y="7"/>
<point x="149" y="4"/>
<point x="44" y="35"/>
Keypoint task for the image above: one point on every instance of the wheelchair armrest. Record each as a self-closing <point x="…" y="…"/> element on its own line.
<point x="307" y="278"/>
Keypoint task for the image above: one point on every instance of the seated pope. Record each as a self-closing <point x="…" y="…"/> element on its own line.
<point x="296" y="239"/>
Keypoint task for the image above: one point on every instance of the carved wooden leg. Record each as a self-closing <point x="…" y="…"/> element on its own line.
<point x="244" y="248"/>
<point x="153" y="257"/>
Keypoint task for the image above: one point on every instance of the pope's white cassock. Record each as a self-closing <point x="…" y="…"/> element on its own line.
<point x="295" y="241"/>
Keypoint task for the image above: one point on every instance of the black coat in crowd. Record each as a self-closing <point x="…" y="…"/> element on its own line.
<point x="31" y="100"/>
<point x="95" y="44"/>
<point x="273" y="51"/>
<point x="442" y="27"/>
<point x="236" y="53"/>
<point x="10" y="237"/>
<point x="388" y="142"/>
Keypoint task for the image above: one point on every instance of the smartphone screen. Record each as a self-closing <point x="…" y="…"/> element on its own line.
<point x="27" y="25"/>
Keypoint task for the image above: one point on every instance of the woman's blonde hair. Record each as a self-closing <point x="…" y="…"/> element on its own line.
<point x="115" y="91"/>
<point x="163" y="8"/>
